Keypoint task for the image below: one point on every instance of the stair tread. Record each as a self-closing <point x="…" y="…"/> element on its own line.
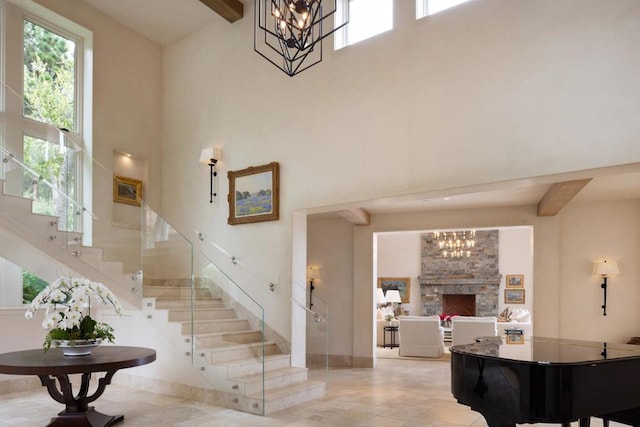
<point x="272" y="373"/>
<point x="250" y="361"/>
<point x="288" y="390"/>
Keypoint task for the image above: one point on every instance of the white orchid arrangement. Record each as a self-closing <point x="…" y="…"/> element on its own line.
<point x="66" y="300"/>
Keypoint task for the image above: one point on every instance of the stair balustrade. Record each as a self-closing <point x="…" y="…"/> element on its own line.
<point x="218" y="327"/>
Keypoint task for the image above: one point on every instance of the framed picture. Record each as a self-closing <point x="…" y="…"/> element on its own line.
<point x="127" y="190"/>
<point x="515" y="281"/>
<point x="254" y="194"/>
<point x="514" y="296"/>
<point x="402" y="284"/>
<point x="515" y="339"/>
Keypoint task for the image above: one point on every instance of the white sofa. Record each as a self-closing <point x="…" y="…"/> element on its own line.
<point x="421" y="336"/>
<point x="465" y="328"/>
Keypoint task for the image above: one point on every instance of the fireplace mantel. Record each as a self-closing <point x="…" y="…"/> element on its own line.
<point x="455" y="280"/>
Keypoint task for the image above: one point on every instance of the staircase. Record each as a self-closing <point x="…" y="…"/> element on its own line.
<point x="228" y="350"/>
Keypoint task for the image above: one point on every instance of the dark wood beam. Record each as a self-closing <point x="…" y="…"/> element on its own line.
<point x="231" y="10"/>
<point x="558" y="195"/>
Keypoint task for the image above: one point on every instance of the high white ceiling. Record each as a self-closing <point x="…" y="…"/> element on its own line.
<point x="166" y="21"/>
<point x="163" y="21"/>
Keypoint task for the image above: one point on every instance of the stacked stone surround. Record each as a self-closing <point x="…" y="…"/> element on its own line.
<point x="477" y="275"/>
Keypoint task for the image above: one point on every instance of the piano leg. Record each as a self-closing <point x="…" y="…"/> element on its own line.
<point x="494" y="420"/>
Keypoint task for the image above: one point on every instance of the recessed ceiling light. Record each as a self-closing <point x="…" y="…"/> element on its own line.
<point x="447" y="198"/>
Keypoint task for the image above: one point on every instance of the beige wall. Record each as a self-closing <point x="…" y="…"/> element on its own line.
<point x="330" y="247"/>
<point x="590" y="232"/>
<point x="507" y="89"/>
<point x="127" y="100"/>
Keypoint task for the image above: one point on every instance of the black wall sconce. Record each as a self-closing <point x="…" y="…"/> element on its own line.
<point x="605" y="268"/>
<point x="313" y="273"/>
<point x="210" y="156"/>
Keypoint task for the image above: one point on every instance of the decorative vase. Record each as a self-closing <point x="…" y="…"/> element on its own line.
<point x="76" y="347"/>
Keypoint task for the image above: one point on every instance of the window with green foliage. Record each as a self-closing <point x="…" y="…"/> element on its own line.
<point x="49" y="77"/>
<point x="45" y="115"/>
<point x="31" y="286"/>
<point x="49" y="97"/>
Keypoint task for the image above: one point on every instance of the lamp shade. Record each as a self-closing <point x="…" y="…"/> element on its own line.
<point x="393" y="295"/>
<point x="380" y="299"/>
<point x="313" y="273"/>
<point x="605" y="268"/>
<point x="210" y="153"/>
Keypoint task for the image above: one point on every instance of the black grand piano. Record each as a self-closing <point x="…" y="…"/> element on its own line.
<point x="547" y="380"/>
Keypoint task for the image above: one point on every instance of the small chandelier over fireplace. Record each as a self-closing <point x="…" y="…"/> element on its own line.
<point x="455" y="244"/>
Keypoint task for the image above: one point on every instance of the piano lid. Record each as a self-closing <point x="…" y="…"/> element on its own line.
<point x="542" y="350"/>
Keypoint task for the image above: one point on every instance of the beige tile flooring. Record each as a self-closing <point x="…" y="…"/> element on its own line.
<point x="398" y="393"/>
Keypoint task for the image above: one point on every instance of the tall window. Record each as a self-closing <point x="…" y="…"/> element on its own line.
<point x="45" y="86"/>
<point x="49" y="97"/>
<point x="367" y="18"/>
<point x="429" y="7"/>
<point x="49" y="77"/>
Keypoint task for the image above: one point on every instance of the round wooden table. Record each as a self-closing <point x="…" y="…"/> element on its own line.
<point x="52" y="365"/>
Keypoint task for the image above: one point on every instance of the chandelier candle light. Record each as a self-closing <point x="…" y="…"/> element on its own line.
<point x="455" y="244"/>
<point x="68" y="325"/>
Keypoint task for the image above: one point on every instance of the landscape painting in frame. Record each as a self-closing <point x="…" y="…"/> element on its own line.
<point x="127" y="190"/>
<point x="402" y="284"/>
<point x="254" y="194"/>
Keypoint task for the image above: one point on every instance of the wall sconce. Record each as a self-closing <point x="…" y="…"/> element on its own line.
<point x="605" y="268"/>
<point x="393" y="296"/>
<point x="313" y="273"/>
<point x="210" y="156"/>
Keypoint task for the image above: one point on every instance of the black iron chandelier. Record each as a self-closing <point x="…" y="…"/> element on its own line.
<point x="289" y="33"/>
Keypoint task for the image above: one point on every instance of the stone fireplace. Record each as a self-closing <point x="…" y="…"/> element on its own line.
<point x="465" y="286"/>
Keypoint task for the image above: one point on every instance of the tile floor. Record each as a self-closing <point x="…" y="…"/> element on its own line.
<point x="396" y="393"/>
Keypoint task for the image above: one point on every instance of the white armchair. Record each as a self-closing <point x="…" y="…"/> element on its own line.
<point x="465" y="328"/>
<point x="421" y="336"/>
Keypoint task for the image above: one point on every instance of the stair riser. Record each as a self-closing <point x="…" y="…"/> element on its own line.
<point x="243" y="353"/>
<point x="217" y="314"/>
<point x="177" y="293"/>
<point x="279" y="404"/>
<point x="184" y="283"/>
<point x="186" y="304"/>
<point x="228" y="339"/>
<point x="271" y="383"/>
<point x="214" y="326"/>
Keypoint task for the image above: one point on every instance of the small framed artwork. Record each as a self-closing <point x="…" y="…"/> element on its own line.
<point x="402" y="284"/>
<point x="515" y="339"/>
<point x="127" y="190"/>
<point x="515" y="281"/>
<point x="254" y="194"/>
<point x="514" y="296"/>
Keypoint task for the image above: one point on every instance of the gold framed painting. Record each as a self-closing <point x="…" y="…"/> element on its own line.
<point x="127" y="190"/>
<point x="254" y="194"/>
<point x="514" y="296"/>
<point x="402" y="284"/>
<point x="515" y="281"/>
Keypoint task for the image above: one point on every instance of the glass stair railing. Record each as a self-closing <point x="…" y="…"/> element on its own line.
<point x="152" y="267"/>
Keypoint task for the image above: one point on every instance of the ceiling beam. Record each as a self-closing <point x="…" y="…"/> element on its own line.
<point x="357" y="216"/>
<point x="231" y="10"/>
<point x="558" y="195"/>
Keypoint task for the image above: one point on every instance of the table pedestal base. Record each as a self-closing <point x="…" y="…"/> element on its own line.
<point x="90" y="418"/>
